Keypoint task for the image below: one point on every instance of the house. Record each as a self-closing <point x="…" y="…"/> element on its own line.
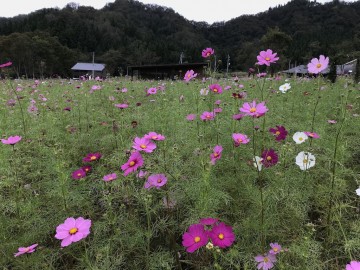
<point x="88" y="69"/>
<point x="166" y="71"/>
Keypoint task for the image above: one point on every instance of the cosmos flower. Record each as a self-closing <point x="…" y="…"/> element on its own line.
<point x="222" y="235"/>
<point x="191" y="117"/>
<point x="207" y="52"/>
<point x="216" y="154"/>
<point x="267" y="57"/>
<point x="92" y="157"/>
<point x="110" y="177"/>
<point x="266" y="262"/>
<point x="121" y="106"/>
<point x="24" y="250"/>
<point x="279" y="132"/>
<point x="258" y="163"/>
<point x="78" y="174"/>
<point x="353" y="265"/>
<point x="300" y="137"/>
<point x="73" y="230"/>
<point x="154" y="136"/>
<point x="152" y="91"/>
<point x="144" y="144"/>
<point x="194" y="238"/>
<point x="284" y="88"/>
<point x="155" y="180"/>
<point x="204" y="92"/>
<point x="270" y="158"/>
<point x="253" y="109"/>
<point x="238" y="116"/>
<point x="275" y="248"/>
<point x="216" y="88"/>
<point x="358" y="191"/>
<point x="190" y="74"/>
<point x="317" y="65"/>
<point x="207" y="116"/>
<point x="12" y="140"/>
<point x="135" y="161"/>
<point x="305" y="160"/>
<point x="240" y="139"/>
<point x="312" y="135"/>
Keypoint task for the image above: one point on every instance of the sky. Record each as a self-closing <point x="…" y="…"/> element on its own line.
<point x="197" y="10"/>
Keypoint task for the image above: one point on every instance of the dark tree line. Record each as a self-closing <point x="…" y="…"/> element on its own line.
<point x="127" y="32"/>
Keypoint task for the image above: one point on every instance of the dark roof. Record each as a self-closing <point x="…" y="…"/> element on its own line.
<point x="168" y="65"/>
<point x="89" y="66"/>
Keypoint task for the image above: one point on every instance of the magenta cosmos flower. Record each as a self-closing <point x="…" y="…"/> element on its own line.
<point x="267" y="57"/>
<point x="190" y="74"/>
<point x="216" y="88"/>
<point x="144" y="144"/>
<point x="353" y="265"/>
<point x="86" y="168"/>
<point x="275" y="248"/>
<point x="92" y="157"/>
<point x="222" y="235"/>
<point x="207" y="116"/>
<point x="155" y="180"/>
<point x="194" y="238"/>
<point x="73" y="230"/>
<point x="23" y="250"/>
<point x="265" y="262"/>
<point x="240" y="139"/>
<point x="78" y="174"/>
<point x="207" y="52"/>
<point x="110" y="177"/>
<point x="317" y="65"/>
<point x="270" y="158"/>
<point x="191" y="117"/>
<point x="152" y="91"/>
<point x="11" y="140"/>
<point x="313" y="135"/>
<point x="208" y="221"/>
<point x="253" y="109"/>
<point x="154" y="136"/>
<point x="238" y="116"/>
<point x="122" y="106"/>
<point x="216" y="154"/>
<point x="135" y="161"/>
<point x="279" y="132"/>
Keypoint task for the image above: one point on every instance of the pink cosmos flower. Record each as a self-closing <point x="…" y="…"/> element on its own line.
<point x="144" y="144"/>
<point x="121" y="106"/>
<point x="135" y="161"/>
<point x="154" y="136"/>
<point x="240" y="139"/>
<point x="317" y="65"/>
<point x="11" y="140"/>
<point x="313" y="135"/>
<point x="208" y="221"/>
<point x="11" y="102"/>
<point x="238" y="116"/>
<point x="124" y="90"/>
<point x="217" y="102"/>
<point x="7" y="64"/>
<point x="275" y="248"/>
<point x="92" y="157"/>
<point x="216" y="88"/>
<point x="261" y="75"/>
<point x="332" y="121"/>
<point x="279" y="132"/>
<point x="152" y="91"/>
<point x="270" y="158"/>
<point x="267" y="57"/>
<point x="228" y="87"/>
<point x="155" y="180"/>
<point x="253" y="109"/>
<point x="110" y="177"/>
<point x="207" y="116"/>
<point x="353" y="265"/>
<point x="194" y="238"/>
<point x="222" y="235"/>
<point x="73" y="230"/>
<point x="142" y="174"/>
<point x="216" y="155"/>
<point x="266" y="262"/>
<point x="190" y="74"/>
<point x="86" y="168"/>
<point x="217" y="110"/>
<point x="191" y="117"/>
<point x="32" y="109"/>
<point x="207" y="52"/>
<point x="23" y="250"/>
<point x="78" y="174"/>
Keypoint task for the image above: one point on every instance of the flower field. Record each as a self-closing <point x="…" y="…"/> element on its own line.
<point x="252" y="173"/>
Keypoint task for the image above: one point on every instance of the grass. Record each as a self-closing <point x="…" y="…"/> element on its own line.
<point x="132" y="228"/>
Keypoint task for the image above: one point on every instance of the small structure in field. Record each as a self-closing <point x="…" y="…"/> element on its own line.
<point x="166" y="71"/>
<point x="88" y="69"/>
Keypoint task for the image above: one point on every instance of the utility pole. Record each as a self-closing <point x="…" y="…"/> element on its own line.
<point x="214" y="62"/>
<point x="181" y="57"/>
<point x="93" y="62"/>
<point x="227" y="65"/>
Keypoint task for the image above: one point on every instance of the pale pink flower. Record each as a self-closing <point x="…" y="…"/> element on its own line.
<point x="267" y="57"/>
<point x="144" y="144"/>
<point x="317" y="65"/>
<point x="73" y="230"/>
<point x="24" y="250"/>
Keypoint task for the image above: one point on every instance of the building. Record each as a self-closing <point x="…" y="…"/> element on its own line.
<point x="166" y="71"/>
<point x="87" y="69"/>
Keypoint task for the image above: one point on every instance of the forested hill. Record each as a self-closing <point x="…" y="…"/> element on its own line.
<point x="128" y="32"/>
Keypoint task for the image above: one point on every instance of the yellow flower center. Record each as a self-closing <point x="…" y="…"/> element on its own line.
<point x="132" y="163"/>
<point x="73" y="230"/>
<point x="277" y="133"/>
<point x="159" y="180"/>
<point x="267" y="58"/>
<point x="216" y="154"/>
<point x="154" y="137"/>
<point x="221" y="236"/>
<point x="189" y="75"/>
<point x="266" y="259"/>
<point x="240" y="140"/>
<point x="301" y="139"/>
<point x="253" y="109"/>
<point x="215" y="90"/>
<point x="110" y="178"/>
<point x="79" y="174"/>
<point x="208" y="116"/>
<point x="305" y="161"/>
<point x="93" y="157"/>
<point x="275" y="249"/>
<point x="143" y="146"/>
<point x="268" y="158"/>
<point x="318" y="65"/>
<point x="197" y="239"/>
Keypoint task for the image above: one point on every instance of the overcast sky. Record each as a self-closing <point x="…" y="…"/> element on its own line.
<point x="197" y="10"/>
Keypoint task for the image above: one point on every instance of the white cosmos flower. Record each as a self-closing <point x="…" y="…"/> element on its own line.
<point x="283" y="88"/>
<point x="305" y="160"/>
<point x="300" y="137"/>
<point x="258" y="163"/>
<point x="358" y="191"/>
<point x="204" y="91"/>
